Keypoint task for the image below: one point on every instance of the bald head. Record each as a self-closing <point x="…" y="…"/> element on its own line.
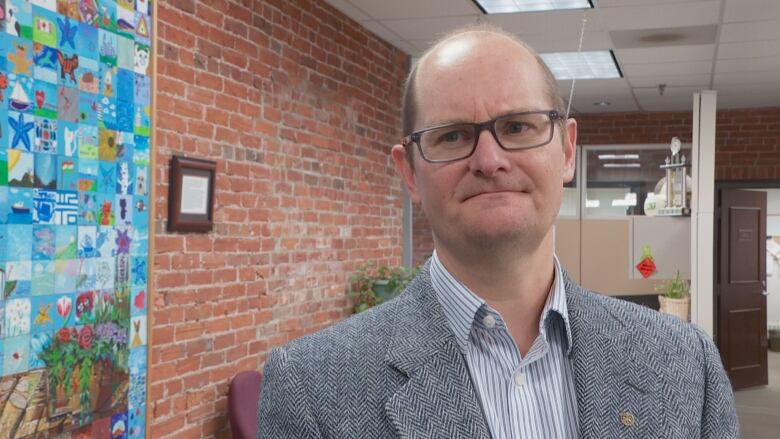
<point x="459" y="50"/>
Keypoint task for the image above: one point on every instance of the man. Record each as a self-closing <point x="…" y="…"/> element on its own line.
<point x="492" y="339"/>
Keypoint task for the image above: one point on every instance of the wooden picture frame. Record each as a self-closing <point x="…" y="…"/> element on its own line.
<point x="191" y="195"/>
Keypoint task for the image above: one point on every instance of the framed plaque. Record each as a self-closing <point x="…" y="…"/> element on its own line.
<point x="191" y="195"/>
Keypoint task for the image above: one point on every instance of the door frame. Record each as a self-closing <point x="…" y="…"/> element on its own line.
<point x="732" y="184"/>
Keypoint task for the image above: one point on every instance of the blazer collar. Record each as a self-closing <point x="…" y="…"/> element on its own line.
<point x="438" y="398"/>
<point x="613" y="368"/>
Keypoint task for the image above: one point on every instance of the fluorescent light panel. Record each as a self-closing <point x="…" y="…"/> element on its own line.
<point x="618" y="156"/>
<point x="509" y="6"/>
<point x="595" y="64"/>
<point x="622" y="165"/>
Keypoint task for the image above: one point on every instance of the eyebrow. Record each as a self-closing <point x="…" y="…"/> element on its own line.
<point x="465" y="121"/>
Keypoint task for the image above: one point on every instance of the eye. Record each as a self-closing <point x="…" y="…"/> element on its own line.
<point x="452" y="136"/>
<point x="514" y="127"/>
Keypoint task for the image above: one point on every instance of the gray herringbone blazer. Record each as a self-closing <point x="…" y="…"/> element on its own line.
<point x="396" y="371"/>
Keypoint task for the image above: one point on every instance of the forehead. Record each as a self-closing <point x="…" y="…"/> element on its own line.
<point x="477" y="77"/>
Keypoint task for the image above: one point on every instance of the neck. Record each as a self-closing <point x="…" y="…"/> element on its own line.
<point x="514" y="282"/>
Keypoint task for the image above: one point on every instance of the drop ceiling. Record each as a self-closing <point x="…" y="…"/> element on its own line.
<point x="732" y="46"/>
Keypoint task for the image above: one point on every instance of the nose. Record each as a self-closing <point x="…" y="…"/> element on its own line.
<point x="488" y="158"/>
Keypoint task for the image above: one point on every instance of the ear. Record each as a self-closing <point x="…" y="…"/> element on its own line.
<point x="405" y="170"/>
<point x="570" y="150"/>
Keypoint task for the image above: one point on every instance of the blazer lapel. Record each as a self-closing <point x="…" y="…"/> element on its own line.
<point x="616" y="385"/>
<point x="438" y="399"/>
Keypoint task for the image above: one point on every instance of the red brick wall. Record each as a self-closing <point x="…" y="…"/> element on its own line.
<point x="298" y="106"/>
<point x="747" y="144"/>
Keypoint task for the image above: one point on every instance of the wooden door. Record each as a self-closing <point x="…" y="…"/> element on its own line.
<point x="741" y="286"/>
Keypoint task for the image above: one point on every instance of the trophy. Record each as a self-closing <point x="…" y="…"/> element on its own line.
<point x="676" y="168"/>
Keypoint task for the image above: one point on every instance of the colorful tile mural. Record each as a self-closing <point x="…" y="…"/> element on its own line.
<point x="75" y="110"/>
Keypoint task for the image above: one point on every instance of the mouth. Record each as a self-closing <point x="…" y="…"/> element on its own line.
<point x="492" y="193"/>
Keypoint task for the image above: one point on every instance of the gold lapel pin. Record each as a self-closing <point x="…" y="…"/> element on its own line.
<point x="627" y="418"/>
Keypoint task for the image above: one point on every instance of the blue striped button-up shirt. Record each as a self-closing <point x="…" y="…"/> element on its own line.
<point x="522" y="397"/>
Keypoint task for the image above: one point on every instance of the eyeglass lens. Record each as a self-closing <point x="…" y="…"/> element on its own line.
<point x="513" y="131"/>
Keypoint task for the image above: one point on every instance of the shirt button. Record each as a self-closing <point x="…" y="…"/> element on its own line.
<point x="519" y="378"/>
<point x="489" y="321"/>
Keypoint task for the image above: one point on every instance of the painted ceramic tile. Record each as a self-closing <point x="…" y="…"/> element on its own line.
<point x="67" y="173"/>
<point x="3" y="257"/>
<point x="18" y="275"/>
<point x="138" y="332"/>
<point x="88" y="12"/>
<point x="45" y="171"/>
<point x="18" y="18"/>
<point x="3" y="167"/>
<point x="44" y="242"/>
<point x="142" y="59"/>
<point x="67" y="212"/>
<point x="88" y="141"/>
<point x="50" y="5"/>
<point x="138" y="303"/>
<point x="124" y="210"/>
<point x="17" y="317"/>
<point x="67" y="136"/>
<point x="108" y="145"/>
<point x="122" y="269"/>
<point x="88" y="175"/>
<point x="142" y="123"/>
<point x="107" y="75"/>
<point x="65" y="275"/>
<point x="106" y="241"/>
<point x="42" y="282"/>
<point x="125" y="53"/>
<point x="87" y="238"/>
<point x="46" y="63"/>
<point x="142" y="90"/>
<point x="140" y="179"/>
<point x="21" y="167"/>
<point x="138" y="271"/>
<point x="88" y="76"/>
<point x="16" y="352"/>
<point x="107" y="47"/>
<point x="45" y="100"/>
<point x="107" y="113"/>
<point x="55" y="207"/>
<point x="139" y="244"/>
<point x="69" y="8"/>
<point x="20" y="242"/>
<point x="68" y="30"/>
<point x="20" y="204"/>
<point x="3" y="213"/>
<point x="45" y="136"/>
<point x="87" y="41"/>
<point x="22" y="131"/>
<point x="88" y="108"/>
<point x="143" y="29"/>
<point x="68" y="66"/>
<point x="136" y="405"/>
<point x="87" y="280"/>
<point x="142" y="6"/>
<point x="107" y="16"/>
<point x="43" y="307"/>
<point x="119" y="426"/>
<point x="88" y="208"/>
<point x="68" y="104"/>
<point x="44" y="26"/>
<point x="107" y="177"/>
<point x="125" y="145"/>
<point x="67" y="242"/>
<point x="104" y="272"/>
<point x="124" y="171"/>
<point x="38" y="342"/>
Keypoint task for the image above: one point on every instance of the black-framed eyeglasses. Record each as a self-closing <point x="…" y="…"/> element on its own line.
<point x="516" y="131"/>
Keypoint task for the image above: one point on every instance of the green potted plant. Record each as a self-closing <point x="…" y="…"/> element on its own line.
<point x="371" y="285"/>
<point x="675" y="298"/>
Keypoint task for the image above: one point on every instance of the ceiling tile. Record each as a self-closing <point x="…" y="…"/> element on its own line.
<point x="667" y="105"/>
<point x="649" y="15"/>
<point x="749" y="49"/>
<point x="703" y="52"/>
<point x="731" y="78"/>
<point x="543" y="22"/>
<point x="595" y="86"/>
<point x="752" y="31"/>
<point x="403" y="9"/>
<point x="670" y="93"/>
<point x="349" y="9"/>
<point x="381" y="31"/>
<point x="747" y="65"/>
<point x="427" y="28"/>
<point x="749" y="10"/>
<point x="621" y="3"/>
<point x="568" y="40"/>
<point x="675" y="68"/>
<point x="619" y="102"/>
<point x="692" y="80"/>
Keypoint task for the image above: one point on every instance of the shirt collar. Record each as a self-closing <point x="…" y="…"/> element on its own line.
<point x="461" y="305"/>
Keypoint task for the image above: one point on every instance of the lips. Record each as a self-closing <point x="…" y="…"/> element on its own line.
<point x="491" y="192"/>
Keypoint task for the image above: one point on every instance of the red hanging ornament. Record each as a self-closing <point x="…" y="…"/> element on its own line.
<point x="647" y="265"/>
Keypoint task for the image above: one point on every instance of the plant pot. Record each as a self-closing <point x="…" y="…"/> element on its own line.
<point x="677" y="307"/>
<point x="382" y="290"/>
